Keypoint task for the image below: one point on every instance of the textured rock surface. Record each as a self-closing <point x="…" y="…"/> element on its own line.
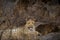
<point x="16" y="13"/>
